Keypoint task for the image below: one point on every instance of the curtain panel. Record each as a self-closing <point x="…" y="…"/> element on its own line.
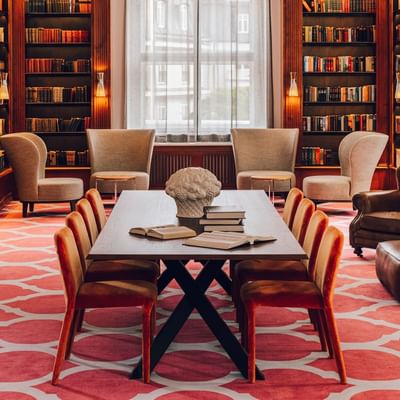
<point x="197" y="68"/>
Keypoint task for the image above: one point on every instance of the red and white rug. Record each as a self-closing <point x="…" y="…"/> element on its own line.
<point x="195" y="367"/>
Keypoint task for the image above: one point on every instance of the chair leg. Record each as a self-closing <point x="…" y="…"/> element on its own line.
<point x="62" y="345"/>
<point x="31" y="207"/>
<point x="24" y="209"/>
<point x="327" y="334"/>
<point x="81" y="318"/>
<point x="72" y="205"/>
<point x="330" y="319"/>
<point x="251" y="342"/>
<point x="320" y="329"/>
<point x="146" y="341"/>
<point x="358" y="251"/>
<point x="313" y="318"/>
<point x="73" y="330"/>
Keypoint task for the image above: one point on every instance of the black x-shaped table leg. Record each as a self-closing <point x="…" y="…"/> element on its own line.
<point x="195" y="297"/>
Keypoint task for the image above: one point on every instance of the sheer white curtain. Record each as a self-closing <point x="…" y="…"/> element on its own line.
<point x="197" y="68"/>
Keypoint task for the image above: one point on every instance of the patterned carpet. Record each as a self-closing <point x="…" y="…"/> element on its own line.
<point x="32" y="306"/>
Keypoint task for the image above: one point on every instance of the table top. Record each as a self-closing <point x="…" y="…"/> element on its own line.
<point x="116" y="177"/>
<point x="153" y="207"/>
<point x="271" y="177"/>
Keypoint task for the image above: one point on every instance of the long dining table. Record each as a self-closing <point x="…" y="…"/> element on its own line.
<point x="137" y="208"/>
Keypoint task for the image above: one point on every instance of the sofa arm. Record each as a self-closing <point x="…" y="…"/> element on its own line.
<point x="367" y="202"/>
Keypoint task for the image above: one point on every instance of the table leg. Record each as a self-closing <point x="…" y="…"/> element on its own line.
<point x="225" y="282"/>
<point x="165" y="278"/>
<point x="194" y="290"/>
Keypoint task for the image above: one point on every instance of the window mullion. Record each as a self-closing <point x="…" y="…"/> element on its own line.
<point x="196" y="68"/>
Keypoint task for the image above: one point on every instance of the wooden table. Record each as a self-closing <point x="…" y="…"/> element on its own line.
<point x="149" y="208"/>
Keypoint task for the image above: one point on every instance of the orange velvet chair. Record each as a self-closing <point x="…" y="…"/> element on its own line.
<point x="291" y="203"/>
<point x="100" y="294"/>
<point x="93" y="195"/>
<point x="85" y="209"/>
<point x="302" y="218"/>
<point x="253" y="270"/>
<point x="315" y="295"/>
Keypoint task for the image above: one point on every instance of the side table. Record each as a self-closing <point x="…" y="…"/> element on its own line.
<point x="270" y="181"/>
<point x="115" y="178"/>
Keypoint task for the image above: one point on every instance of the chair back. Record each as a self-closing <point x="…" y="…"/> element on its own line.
<point x="292" y="201"/>
<point x="70" y="262"/>
<point x="265" y="149"/>
<point x="27" y="154"/>
<point x="96" y="202"/>
<point x="302" y="218"/>
<point x="312" y="239"/>
<point x="75" y="222"/>
<point x="359" y="154"/>
<point x="85" y="209"/>
<point x="327" y="262"/>
<point x="120" y="149"/>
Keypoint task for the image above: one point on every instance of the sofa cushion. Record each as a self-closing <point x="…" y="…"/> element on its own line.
<point x="388" y="266"/>
<point x="60" y="189"/>
<point x="381" y="221"/>
<point x="327" y="187"/>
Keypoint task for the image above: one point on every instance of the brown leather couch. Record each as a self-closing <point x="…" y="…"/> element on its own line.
<point x="377" y="220"/>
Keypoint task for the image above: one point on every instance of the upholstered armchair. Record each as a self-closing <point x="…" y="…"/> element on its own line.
<point x="359" y="153"/>
<point x="122" y="152"/>
<point x="27" y="154"/>
<point x="260" y="152"/>
<point x="377" y="219"/>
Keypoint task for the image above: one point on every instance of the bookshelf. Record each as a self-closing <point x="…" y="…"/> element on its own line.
<point x="339" y="50"/>
<point x="60" y="46"/>
<point x="396" y="81"/>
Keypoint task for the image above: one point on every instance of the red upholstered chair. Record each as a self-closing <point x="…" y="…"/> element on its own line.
<point x="302" y="218"/>
<point x="292" y="202"/>
<point x="253" y="270"/>
<point x="100" y="294"/>
<point x="316" y="295"/>
<point x="93" y="195"/>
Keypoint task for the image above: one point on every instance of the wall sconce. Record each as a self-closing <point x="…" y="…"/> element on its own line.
<point x="100" y="90"/>
<point x="397" y="91"/>
<point x="293" y="90"/>
<point x="3" y="87"/>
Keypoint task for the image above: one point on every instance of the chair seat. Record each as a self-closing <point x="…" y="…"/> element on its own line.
<point x="60" y="189"/>
<point x="251" y="270"/>
<point x="115" y="294"/>
<point x="141" y="181"/>
<point x="282" y="294"/>
<point x="381" y="221"/>
<point x="327" y="187"/>
<point x="122" y="270"/>
<point x="244" y="181"/>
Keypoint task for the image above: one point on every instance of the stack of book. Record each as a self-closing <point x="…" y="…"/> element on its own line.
<point x="223" y="218"/>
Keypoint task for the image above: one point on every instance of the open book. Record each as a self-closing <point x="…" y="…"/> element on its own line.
<point x="225" y="240"/>
<point x="164" y="231"/>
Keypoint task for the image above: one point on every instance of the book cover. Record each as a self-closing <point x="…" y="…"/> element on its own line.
<point x="224" y="228"/>
<point x="221" y="212"/>
<point x="164" y="232"/>
<point x="226" y="221"/>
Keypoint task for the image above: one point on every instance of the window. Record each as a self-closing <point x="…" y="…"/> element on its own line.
<point x="243" y="23"/>
<point x="196" y="76"/>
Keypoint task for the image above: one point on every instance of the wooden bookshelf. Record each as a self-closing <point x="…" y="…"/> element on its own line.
<point x="395" y="31"/>
<point x="358" y="101"/>
<point x="62" y="49"/>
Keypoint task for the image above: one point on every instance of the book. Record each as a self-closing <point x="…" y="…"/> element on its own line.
<point x="220" y="212"/>
<point x="224" y="228"/>
<point x="228" y="221"/>
<point x="225" y="240"/>
<point x="306" y="6"/>
<point x="164" y="231"/>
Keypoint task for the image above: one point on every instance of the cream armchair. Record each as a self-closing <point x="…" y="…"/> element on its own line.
<point x="261" y="152"/>
<point x="27" y="154"/>
<point x="359" y="153"/>
<point x="122" y="152"/>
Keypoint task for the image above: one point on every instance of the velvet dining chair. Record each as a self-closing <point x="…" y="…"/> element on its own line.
<point x="302" y="218"/>
<point x="98" y="294"/>
<point x="85" y="209"/>
<point x="292" y="201"/>
<point x="93" y="195"/>
<point x="316" y="295"/>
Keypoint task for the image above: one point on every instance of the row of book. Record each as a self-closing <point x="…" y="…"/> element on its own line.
<point x="67" y="158"/>
<point x="365" y="93"/>
<point x="339" y="123"/>
<point x="2" y="126"/>
<point x="223" y="218"/>
<point x="339" y="64"/>
<point x="316" y="156"/>
<point x="56" y="94"/>
<point x="319" y="33"/>
<point x="2" y="37"/>
<point x="339" y="6"/>
<point x="61" y="6"/>
<point x="2" y="160"/>
<point x="57" y="65"/>
<point x="397" y="123"/>
<point x="74" y="124"/>
<point x="56" y="35"/>
<point x="398" y="33"/>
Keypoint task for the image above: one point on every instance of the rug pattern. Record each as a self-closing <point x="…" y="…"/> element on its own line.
<point x="195" y="366"/>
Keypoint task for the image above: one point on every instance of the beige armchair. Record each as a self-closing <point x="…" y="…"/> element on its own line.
<point x="359" y="153"/>
<point x="122" y="152"/>
<point x="27" y="154"/>
<point x="260" y="152"/>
